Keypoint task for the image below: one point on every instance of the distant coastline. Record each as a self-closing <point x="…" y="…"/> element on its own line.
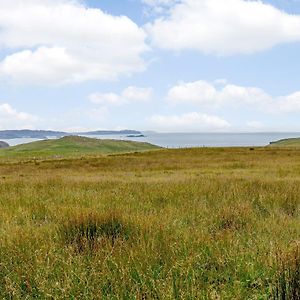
<point x="44" y="134"/>
<point x="179" y="140"/>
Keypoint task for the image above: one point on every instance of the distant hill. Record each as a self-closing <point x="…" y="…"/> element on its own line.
<point x="42" y="134"/>
<point x="3" y="145"/>
<point x="293" y="142"/>
<point x="73" y="146"/>
<point x="39" y="134"/>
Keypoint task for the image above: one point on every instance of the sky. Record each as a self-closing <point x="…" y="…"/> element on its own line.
<point x="163" y="65"/>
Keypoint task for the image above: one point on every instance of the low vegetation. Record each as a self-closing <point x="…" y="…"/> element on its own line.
<point x="292" y="143"/>
<point x="72" y="146"/>
<point x="87" y="233"/>
<point x="288" y="275"/>
<point x="207" y="223"/>
<point x="3" y="145"/>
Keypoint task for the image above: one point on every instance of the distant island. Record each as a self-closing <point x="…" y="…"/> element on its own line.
<point x="135" y="135"/>
<point x="43" y="134"/>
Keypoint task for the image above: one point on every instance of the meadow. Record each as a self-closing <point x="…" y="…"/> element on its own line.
<point x="203" y="223"/>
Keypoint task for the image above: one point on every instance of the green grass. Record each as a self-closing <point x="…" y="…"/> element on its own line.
<point x="71" y="146"/>
<point x="166" y="224"/>
<point x="294" y="142"/>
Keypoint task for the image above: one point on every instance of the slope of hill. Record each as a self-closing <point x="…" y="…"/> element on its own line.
<point x="74" y="145"/>
<point x="3" y="145"/>
<point x="293" y="142"/>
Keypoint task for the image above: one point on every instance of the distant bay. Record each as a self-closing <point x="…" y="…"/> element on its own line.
<point x="184" y="140"/>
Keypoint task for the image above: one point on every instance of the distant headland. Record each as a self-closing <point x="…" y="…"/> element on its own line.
<point x="43" y="134"/>
<point x="3" y="145"/>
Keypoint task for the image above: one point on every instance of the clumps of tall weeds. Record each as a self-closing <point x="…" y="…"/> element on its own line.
<point x="90" y="232"/>
<point x="232" y="218"/>
<point x="287" y="279"/>
<point x="291" y="206"/>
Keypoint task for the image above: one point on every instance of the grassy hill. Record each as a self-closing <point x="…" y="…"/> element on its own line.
<point x="293" y="142"/>
<point x="73" y="146"/>
<point x="3" y="144"/>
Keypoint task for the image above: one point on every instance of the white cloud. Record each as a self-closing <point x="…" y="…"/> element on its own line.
<point x="45" y="65"/>
<point x="203" y="93"/>
<point x="11" y="118"/>
<point x="63" y="41"/>
<point x="129" y="95"/>
<point x="200" y="92"/>
<point x="224" y="27"/>
<point x="289" y="103"/>
<point x="133" y="93"/>
<point x="189" y="122"/>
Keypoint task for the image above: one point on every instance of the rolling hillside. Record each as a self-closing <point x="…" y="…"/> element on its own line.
<point x="294" y="142"/>
<point x="73" y="146"/>
<point x="3" y="145"/>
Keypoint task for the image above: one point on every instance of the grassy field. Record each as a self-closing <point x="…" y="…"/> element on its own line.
<point x="72" y="146"/>
<point x="295" y="142"/>
<point x="167" y="224"/>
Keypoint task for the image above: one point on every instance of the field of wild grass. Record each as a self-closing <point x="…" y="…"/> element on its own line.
<point x="168" y="224"/>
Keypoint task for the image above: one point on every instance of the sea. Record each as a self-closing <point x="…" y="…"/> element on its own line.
<point x="187" y="140"/>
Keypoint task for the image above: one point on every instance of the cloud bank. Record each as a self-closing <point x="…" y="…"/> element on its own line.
<point x="189" y="122"/>
<point x="11" y="118"/>
<point x="63" y="41"/>
<point x="129" y="95"/>
<point x="211" y="95"/>
<point x="223" y="27"/>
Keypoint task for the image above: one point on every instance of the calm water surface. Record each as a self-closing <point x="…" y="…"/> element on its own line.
<point x="183" y="140"/>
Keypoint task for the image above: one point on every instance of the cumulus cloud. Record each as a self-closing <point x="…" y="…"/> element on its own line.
<point x="11" y="118"/>
<point x="189" y="122"/>
<point x="129" y="95"/>
<point x="224" y="27"/>
<point x="289" y="103"/>
<point x="63" y="41"/>
<point x="206" y="94"/>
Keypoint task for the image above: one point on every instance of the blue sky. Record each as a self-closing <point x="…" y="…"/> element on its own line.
<point x="164" y="65"/>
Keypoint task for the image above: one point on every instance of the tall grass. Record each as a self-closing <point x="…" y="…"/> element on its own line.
<point x="89" y="232"/>
<point x="287" y="284"/>
<point x="170" y="224"/>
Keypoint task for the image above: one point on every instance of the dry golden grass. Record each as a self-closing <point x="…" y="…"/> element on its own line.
<point x="170" y="224"/>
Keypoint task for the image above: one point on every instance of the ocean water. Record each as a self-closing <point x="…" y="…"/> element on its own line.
<point x="15" y="142"/>
<point x="184" y="140"/>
